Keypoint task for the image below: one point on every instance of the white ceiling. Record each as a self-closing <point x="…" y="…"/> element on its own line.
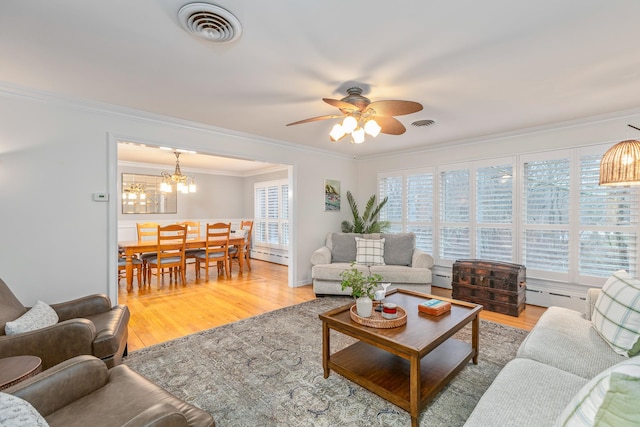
<point x="478" y="67"/>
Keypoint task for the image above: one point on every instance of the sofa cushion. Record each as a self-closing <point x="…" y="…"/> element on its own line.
<point x="609" y="399"/>
<point x="369" y="251"/>
<point x="617" y="313"/>
<point x="398" y="248"/>
<point x="334" y="270"/>
<point x="401" y="274"/>
<point x="525" y="394"/>
<point x="39" y="316"/>
<point x="343" y="247"/>
<point x="16" y="412"/>
<point x="565" y="339"/>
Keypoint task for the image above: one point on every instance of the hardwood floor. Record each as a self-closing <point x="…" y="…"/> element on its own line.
<point x="172" y="311"/>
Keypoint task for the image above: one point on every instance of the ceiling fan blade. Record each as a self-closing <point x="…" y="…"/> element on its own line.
<point x="315" y="119"/>
<point x="390" y="125"/>
<point x="394" y="107"/>
<point x="340" y="104"/>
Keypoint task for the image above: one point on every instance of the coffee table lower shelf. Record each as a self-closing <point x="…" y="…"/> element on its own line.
<point x="388" y="375"/>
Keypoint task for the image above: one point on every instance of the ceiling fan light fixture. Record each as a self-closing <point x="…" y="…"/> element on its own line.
<point x="337" y="132"/>
<point x="358" y="135"/>
<point x="349" y="124"/>
<point x="372" y="128"/>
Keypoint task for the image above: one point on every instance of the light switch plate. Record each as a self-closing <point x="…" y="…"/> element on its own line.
<point x="100" y="197"/>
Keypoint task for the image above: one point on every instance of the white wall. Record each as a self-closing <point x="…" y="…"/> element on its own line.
<point x="55" y="152"/>
<point x="217" y="196"/>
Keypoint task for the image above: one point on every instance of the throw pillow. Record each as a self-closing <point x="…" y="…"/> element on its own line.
<point x="343" y="247"/>
<point x="616" y="315"/>
<point x="40" y="316"/>
<point x="609" y="399"/>
<point x="19" y="413"/>
<point x="398" y="248"/>
<point x="369" y="251"/>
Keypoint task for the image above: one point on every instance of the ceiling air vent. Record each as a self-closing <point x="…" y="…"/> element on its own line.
<point x="422" y="123"/>
<point x="209" y="22"/>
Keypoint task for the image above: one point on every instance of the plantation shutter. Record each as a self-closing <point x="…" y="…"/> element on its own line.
<point x="494" y="213"/>
<point x="392" y="187"/>
<point x="608" y="224"/>
<point x="454" y="214"/>
<point x="260" y="215"/>
<point x="546" y="215"/>
<point x="419" y="205"/>
<point x="284" y="214"/>
<point x="271" y="214"/>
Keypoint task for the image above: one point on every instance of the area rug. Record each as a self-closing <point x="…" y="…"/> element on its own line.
<point x="267" y="371"/>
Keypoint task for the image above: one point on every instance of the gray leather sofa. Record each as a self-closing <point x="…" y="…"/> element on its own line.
<point x="405" y="266"/>
<point x="82" y="392"/>
<point x="87" y="325"/>
<point x="556" y="359"/>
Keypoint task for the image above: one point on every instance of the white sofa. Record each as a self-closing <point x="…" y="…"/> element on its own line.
<point x="556" y="360"/>
<point x="405" y="266"/>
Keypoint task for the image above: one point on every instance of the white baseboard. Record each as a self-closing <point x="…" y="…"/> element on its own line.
<point x="270" y="256"/>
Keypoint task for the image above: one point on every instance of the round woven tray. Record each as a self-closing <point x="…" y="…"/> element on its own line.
<point x="377" y="321"/>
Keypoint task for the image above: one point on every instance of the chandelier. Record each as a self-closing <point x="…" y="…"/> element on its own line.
<point x="620" y="165"/>
<point x="356" y="125"/>
<point x="184" y="184"/>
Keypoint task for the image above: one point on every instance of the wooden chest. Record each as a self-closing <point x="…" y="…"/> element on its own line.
<point x="498" y="286"/>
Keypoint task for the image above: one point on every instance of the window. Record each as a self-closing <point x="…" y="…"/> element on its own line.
<point x="494" y="213"/>
<point x="545" y="240"/>
<point x="557" y="221"/>
<point x="410" y="205"/>
<point x="455" y="208"/>
<point x="608" y="226"/>
<point x="271" y="218"/>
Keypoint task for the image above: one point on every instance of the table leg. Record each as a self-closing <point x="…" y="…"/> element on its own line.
<point x="129" y="268"/>
<point x="325" y="348"/>
<point x="475" y="338"/>
<point x="240" y="257"/>
<point x="414" y="392"/>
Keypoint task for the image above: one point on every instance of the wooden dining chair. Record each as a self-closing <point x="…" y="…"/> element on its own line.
<point x="193" y="232"/>
<point x="216" y="250"/>
<point x="146" y="231"/>
<point x="137" y="267"/>
<point x="247" y="227"/>
<point x="169" y="254"/>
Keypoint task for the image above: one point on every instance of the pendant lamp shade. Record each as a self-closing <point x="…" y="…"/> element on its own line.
<point x="620" y="165"/>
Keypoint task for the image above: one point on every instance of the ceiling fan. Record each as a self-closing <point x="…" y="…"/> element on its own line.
<point x="364" y="116"/>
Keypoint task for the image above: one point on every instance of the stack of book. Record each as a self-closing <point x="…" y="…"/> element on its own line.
<point x="435" y="307"/>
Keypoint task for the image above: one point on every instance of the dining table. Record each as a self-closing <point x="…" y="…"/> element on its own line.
<point x="132" y="247"/>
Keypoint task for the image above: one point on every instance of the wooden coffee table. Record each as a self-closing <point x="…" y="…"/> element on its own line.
<point x="18" y="368"/>
<point x="407" y="365"/>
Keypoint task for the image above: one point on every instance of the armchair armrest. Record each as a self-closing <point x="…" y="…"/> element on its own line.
<point x="590" y="304"/>
<point x="421" y="259"/>
<point x="321" y="256"/>
<point x="82" y="307"/>
<point x="159" y="415"/>
<point x="52" y="344"/>
<point x="62" y="384"/>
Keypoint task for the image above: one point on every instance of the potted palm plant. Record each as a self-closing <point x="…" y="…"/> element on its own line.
<point x="369" y="221"/>
<point x="362" y="288"/>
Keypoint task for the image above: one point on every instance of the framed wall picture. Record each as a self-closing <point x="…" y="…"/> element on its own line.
<point x="331" y="195"/>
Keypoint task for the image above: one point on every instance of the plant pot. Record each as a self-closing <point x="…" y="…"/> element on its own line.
<point x="364" y="306"/>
